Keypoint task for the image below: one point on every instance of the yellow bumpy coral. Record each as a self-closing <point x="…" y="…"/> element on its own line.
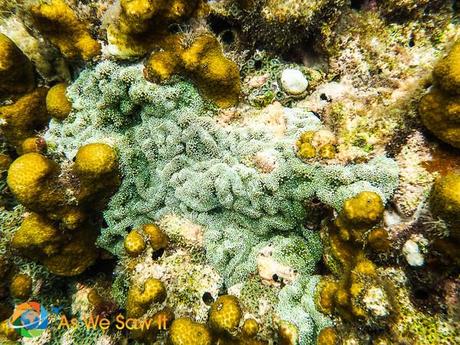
<point x="447" y="71"/>
<point x="134" y="243"/>
<point x="57" y="104"/>
<point x="250" y="328"/>
<point x="63" y="254"/>
<point x="364" y="209"/>
<point x="96" y="166"/>
<point x="16" y="70"/>
<point x="141" y="297"/>
<point x="157" y="238"/>
<point x="225" y="314"/>
<point x="216" y="76"/>
<point x="21" y="286"/>
<point x="24" y="117"/>
<point x="440" y="108"/>
<point x="142" y="24"/>
<point x="58" y="23"/>
<point x="31" y="180"/>
<point x="184" y="331"/>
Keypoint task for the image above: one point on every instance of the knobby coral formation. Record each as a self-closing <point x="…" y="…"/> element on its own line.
<point x="216" y="76"/>
<point x="58" y="23"/>
<point x="244" y="172"/>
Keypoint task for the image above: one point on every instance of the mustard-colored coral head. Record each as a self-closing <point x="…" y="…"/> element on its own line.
<point x="26" y="177"/>
<point x="58" y="22"/>
<point x="327" y="336"/>
<point x="57" y="104"/>
<point x="250" y="328"/>
<point x="134" y="243"/>
<point x="366" y="208"/>
<point x="445" y="201"/>
<point x="225" y="314"/>
<point x="141" y="297"/>
<point x="21" y="286"/>
<point x="95" y="160"/>
<point x="184" y="331"/>
<point x="288" y="333"/>
<point x="157" y="238"/>
<point x="447" y="71"/>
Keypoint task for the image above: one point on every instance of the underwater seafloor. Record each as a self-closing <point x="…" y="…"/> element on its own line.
<point x="248" y="172"/>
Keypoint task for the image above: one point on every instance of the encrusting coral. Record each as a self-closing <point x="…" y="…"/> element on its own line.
<point x="62" y="252"/>
<point x="57" y="22"/>
<point x="216" y="76"/>
<point x="440" y="108"/>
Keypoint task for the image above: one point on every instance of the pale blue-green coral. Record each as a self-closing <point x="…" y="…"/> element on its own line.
<point x="177" y="158"/>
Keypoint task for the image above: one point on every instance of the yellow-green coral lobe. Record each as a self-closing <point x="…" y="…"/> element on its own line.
<point x="28" y="179"/>
<point x="134" y="243"/>
<point x="447" y="71"/>
<point x="95" y="160"/>
<point x="57" y="104"/>
<point x="225" y="314"/>
<point x="216" y="76"/>
<point x="58" y="22"/>
<point x="157" y="238"/>
<point x="141" y="297"/>
<point x="366" y="208"/>
<point x="184" y="331"/>
<point x="24" y="117"/>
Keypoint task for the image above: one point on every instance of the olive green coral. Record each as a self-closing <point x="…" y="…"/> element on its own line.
<point x="143" y="24"/>
<point x="21" y="286"/>
<point x="59" y="23"/>
<point x="63" y="253"/>
<point x="134" y="243"/>
<point x="440" y="108"/>
<point x="57" y="104"/>
<point x="225" y="314"/>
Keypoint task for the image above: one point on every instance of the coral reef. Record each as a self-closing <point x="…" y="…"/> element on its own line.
<point x="57" y="104"/>
<point x="244" y="172"/>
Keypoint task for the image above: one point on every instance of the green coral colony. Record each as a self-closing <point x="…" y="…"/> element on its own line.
<point x="248" y="172"/>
